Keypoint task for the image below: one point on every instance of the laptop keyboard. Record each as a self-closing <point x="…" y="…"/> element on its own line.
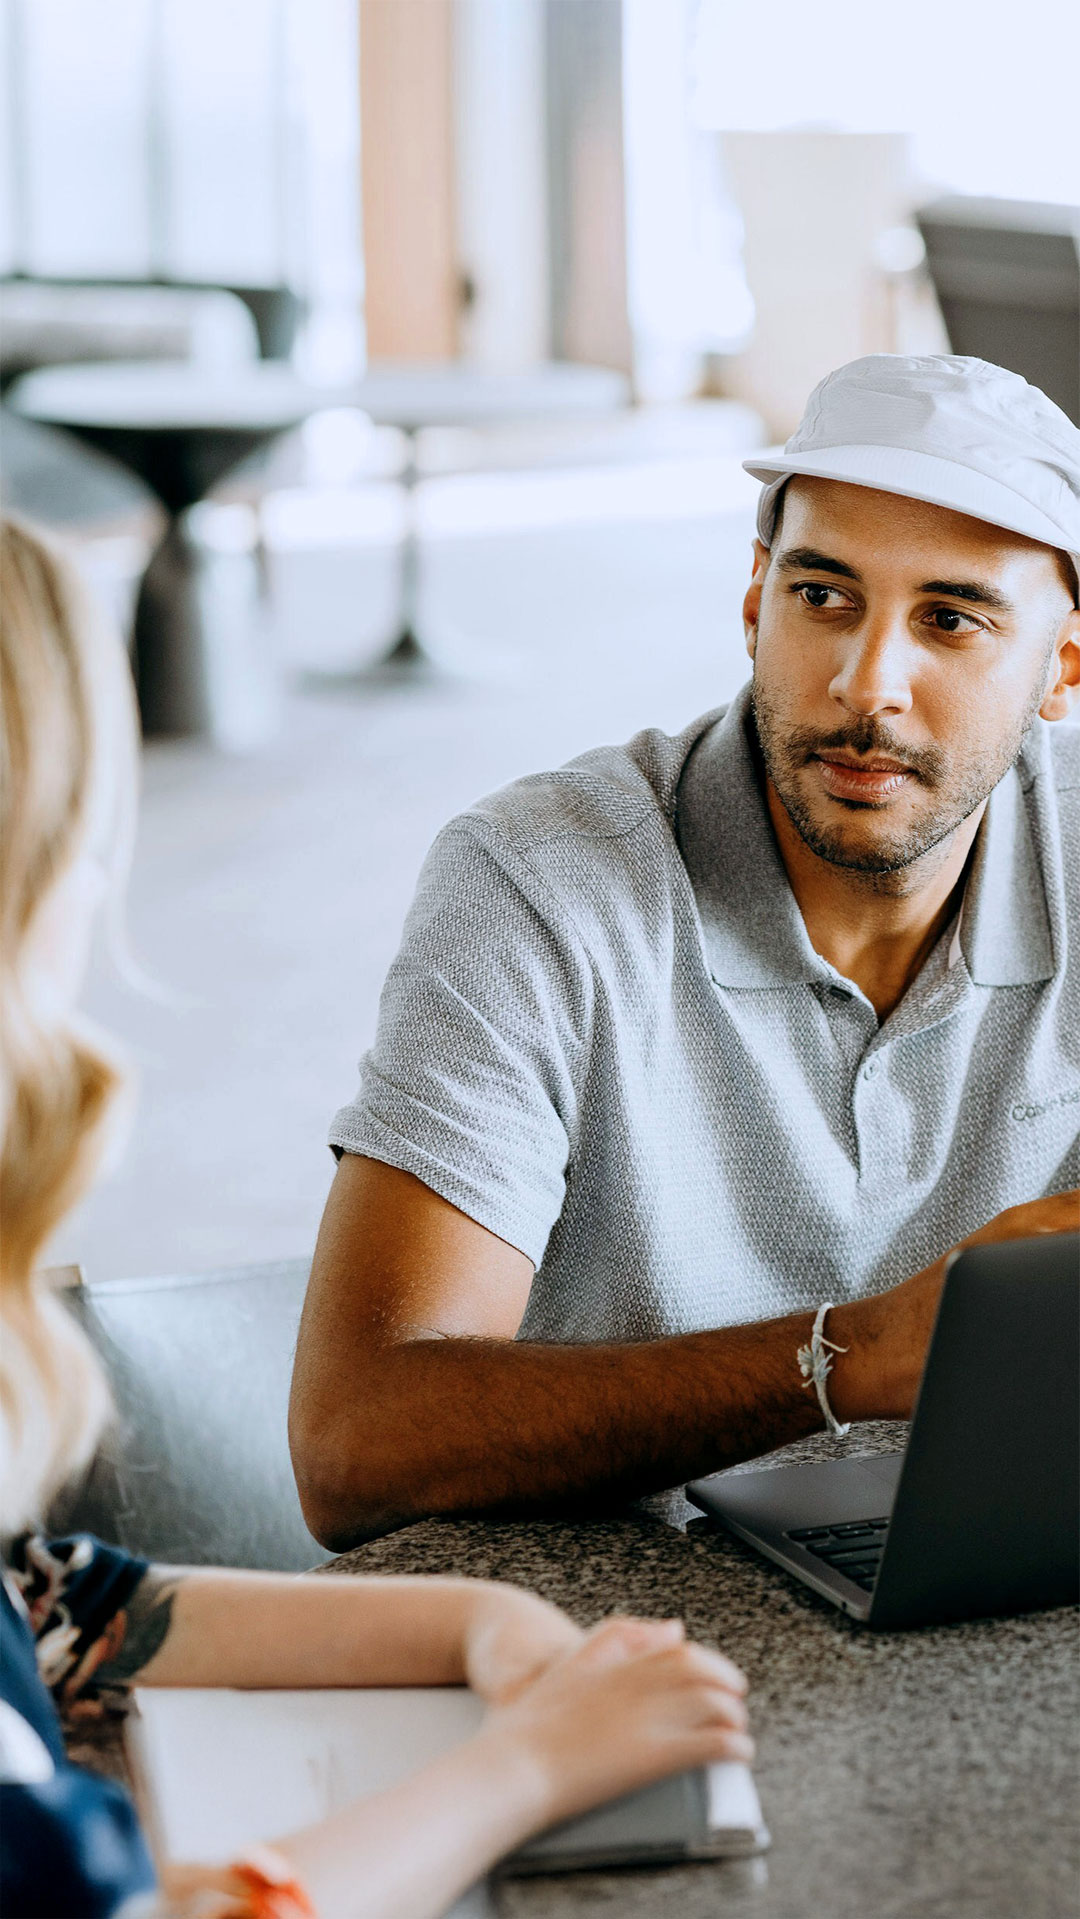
<point x="854" y="1548"/>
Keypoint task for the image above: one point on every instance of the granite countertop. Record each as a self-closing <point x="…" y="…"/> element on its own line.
<point x="919" y="1775"/>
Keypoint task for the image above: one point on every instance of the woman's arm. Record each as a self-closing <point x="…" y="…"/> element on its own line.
<point x="631" y="1704"/>
<point x="190" y="1627"/>
<point x="575" y="1720"/>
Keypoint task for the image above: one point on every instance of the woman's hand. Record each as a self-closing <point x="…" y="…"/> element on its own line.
<point x="631" y="1703"/>
<point x="510" y="1638"/>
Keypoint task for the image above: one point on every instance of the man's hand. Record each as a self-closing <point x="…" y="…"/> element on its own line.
<point x="887" y="1336"/>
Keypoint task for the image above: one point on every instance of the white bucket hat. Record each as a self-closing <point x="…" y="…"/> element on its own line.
<point x="955" y="432"/>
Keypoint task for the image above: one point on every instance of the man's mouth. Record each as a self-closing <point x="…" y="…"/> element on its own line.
<point x="872" y="778"/>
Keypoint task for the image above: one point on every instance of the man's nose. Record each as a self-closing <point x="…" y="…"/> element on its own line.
<point x="874" y="672"/>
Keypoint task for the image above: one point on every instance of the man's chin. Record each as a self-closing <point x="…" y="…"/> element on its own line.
<point x="875" y="859"/>
<point x="862" y="842"/>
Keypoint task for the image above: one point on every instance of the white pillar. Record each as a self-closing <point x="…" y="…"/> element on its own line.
<point x="686" y="289"/>
<point x="501" y="180"/>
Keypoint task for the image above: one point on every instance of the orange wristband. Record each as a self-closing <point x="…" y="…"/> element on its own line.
<point x="273" y="1889"/>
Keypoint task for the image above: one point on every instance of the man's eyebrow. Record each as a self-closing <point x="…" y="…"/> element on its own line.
<point x="976" y="591"/>
<point x="806" y="559"/>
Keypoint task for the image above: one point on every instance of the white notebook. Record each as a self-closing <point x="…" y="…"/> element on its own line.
<point x="216" y="1770"/>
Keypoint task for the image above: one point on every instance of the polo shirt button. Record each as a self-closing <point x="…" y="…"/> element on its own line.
<point x="870" y="1069"/>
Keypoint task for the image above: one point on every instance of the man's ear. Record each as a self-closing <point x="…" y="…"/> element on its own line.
<point x="751" y="606"/>
<point x="1064" y="687"/>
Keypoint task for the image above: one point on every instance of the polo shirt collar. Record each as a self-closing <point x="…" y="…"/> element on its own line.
<point x="753" y="931"/>
<point x="1005" y="933"/>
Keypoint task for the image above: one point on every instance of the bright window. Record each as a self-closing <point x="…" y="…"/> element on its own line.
<point x="988" y="91"/>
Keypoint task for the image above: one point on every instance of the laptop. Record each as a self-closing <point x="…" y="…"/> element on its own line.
<point x="980" y="1514"/>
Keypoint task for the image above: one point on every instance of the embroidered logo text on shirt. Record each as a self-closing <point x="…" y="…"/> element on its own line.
<point x="1021" y="1110"/>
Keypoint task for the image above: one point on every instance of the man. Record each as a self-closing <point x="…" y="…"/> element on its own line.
<point x="696" y="1036"/>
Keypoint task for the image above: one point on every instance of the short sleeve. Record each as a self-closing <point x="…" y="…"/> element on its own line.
<point x="74" y="1591"/>
<point x="472" y="1083"/>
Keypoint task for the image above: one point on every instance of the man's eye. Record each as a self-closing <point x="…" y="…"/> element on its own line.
<point x="947" y="619"/>
<point x="812" y="593"/>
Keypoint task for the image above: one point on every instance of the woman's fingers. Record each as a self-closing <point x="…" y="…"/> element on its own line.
<point x="727" y="1709"/>
<point x="713" y="1665"/>
<point x="634" y="1703"/>
<point x="713" y="1747"/>
<point x="696" y="1668"/>
<point x="694" y="1689"/>
<point x="614" y="1641"/>
<point x="618" y="1639"/>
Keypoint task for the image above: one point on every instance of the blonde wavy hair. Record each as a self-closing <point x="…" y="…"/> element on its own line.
<point x="68" y="760"/>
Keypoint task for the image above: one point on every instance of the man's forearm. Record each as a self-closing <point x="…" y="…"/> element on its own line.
<point x="482" y="1425"/>
<point x="386" y="1427"/>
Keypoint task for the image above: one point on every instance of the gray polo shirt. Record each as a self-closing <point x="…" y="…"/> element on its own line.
<point x="608" y="1039"/>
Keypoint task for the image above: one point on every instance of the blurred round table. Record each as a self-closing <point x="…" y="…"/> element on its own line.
<point x="181" y="427"/>
<point x="413" y="396"/>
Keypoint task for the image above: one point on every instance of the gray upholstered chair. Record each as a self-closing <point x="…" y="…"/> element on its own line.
<point x="197" y="1469"/>
<point x="1007" y="278"/>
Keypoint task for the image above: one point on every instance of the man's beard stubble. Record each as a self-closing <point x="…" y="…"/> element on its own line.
<point x="960" y="790"/>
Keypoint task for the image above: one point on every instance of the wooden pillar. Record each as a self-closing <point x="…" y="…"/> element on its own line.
<point x="411" y="270"/>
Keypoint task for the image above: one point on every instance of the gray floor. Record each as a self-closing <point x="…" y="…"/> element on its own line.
<point x="268" y="892"/>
